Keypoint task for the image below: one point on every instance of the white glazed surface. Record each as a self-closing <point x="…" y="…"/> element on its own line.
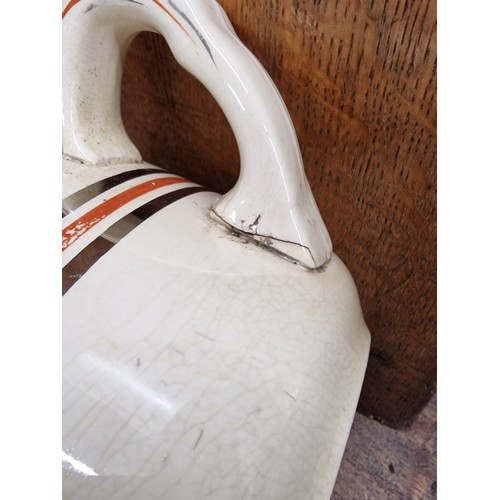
<point x="198" y="366"/>
<point x="271" y="201"/>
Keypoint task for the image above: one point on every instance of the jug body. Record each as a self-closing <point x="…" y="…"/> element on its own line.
<point x="199" y="365"/>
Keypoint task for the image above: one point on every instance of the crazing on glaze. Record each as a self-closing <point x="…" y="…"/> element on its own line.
<point x="213" y="345"/>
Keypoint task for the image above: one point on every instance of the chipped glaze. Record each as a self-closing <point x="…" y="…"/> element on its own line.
<point x="196" y="362"/>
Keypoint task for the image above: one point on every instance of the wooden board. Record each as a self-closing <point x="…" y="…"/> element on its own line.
<point x="384" y="463"/>
<point x="359" y="80"/>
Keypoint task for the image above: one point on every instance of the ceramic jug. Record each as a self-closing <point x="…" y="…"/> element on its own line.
<point x="213" y="344"/>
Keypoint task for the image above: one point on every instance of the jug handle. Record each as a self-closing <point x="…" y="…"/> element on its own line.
<point x="271" y="202"/>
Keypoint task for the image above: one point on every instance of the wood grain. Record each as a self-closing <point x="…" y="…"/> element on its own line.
<point x="384" y="463"/>
<point x="359" y="80"/>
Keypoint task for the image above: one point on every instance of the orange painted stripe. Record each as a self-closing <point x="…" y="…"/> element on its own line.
<point x="69" y="6"/>
<point x="71" y="233"/>
<point x="171" y="15"/>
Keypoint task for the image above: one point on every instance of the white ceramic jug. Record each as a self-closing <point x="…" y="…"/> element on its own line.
<point x="213" y="345"/>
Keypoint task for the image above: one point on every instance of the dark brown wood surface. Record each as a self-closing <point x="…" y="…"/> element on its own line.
<point x="359" y="80"/>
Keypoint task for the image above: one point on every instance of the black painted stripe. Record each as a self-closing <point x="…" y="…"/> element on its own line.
<point x="87" y="257"/>
<point x="193" y="27"/>
<point x="77" y="199"/>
